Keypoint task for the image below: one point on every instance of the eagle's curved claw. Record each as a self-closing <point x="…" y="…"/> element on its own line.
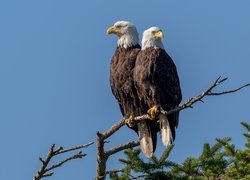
<point x="130" y="121"/>
<point x="153" y="112"/>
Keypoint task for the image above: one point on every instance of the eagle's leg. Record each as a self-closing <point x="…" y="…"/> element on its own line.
<point x="130" y="121"/>
<point x="153" y="112"/>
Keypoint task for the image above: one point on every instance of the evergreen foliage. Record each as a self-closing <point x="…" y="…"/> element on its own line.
<point x="219" y="161"/>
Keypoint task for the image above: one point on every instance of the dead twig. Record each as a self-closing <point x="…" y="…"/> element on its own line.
<point x="44" y="169"/>
<point x="121" y="147"/>
<point x="227" y="92"/>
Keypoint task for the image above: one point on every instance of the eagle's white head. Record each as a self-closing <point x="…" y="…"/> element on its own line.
<point x="126" y="32"/>
<point x="152" y="38"/>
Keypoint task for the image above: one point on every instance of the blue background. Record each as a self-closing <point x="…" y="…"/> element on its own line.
<point x="54" y="76"/>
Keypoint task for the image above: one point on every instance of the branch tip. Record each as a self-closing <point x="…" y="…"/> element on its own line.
<point x="44" y="170"/>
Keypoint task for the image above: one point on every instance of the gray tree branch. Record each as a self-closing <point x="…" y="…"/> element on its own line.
<point x="44" y="169"/>
<point x="121" y="147"/>
<point x="102" y="155"/>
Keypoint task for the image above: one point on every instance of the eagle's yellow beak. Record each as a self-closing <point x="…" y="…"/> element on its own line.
<point x="159" y="34"/>
<point x="113" y="30"/>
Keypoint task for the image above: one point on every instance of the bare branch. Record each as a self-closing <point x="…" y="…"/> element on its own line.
<point x="198" y="98"/>
<point x="41" y="160"/>
<point x="114" y="128"/>
<point x="102" y="156"/>
<point x="47" y="175"/>
<point x="122" y="147"/>
<point x="58" y="150"/>
<point x="44" y="169"/>
<point x="227" y="92"/>
<point x="45" y="163"/>
<point x="75" y="156"/>
<point x="74" y="148"/>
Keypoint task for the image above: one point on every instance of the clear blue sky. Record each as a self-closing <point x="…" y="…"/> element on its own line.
<point x="54" y="76"/>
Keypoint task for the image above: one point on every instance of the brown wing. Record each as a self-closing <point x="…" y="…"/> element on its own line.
<point x="121" y="79"/>
<point x="122" y="85"/>
<point x="166" y="80"/>
<point x="157" y="81"/>
<point x="167" y="84"/>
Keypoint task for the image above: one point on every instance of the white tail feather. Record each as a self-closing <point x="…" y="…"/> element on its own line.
<point x="146" y="141"/>
<point x="166" y="134"/>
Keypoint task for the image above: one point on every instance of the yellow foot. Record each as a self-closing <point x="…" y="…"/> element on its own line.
<point x="130" y="121"/>
<point x="153" y="112"/>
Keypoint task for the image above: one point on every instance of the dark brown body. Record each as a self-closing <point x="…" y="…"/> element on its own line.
<point x="157" y="82"/>
<point x="121" y="80"/>
<point x="123" y="88"/>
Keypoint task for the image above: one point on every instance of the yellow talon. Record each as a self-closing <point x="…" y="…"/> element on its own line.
<point x="152" y="112"/>
<point x="130" y="121"/>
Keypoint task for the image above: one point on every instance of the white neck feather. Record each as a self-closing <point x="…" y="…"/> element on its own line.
<point x="156" y="43"/>
<point x="128" y="40"/>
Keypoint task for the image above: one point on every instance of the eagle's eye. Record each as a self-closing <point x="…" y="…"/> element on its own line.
<point x="119" y="26"/>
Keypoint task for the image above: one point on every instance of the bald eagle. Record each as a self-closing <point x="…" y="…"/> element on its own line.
<point x="157" y="82"/>
<point x="122" y="83"/>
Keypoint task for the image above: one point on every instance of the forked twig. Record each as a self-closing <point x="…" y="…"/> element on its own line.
<point x="44" y="170"/>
